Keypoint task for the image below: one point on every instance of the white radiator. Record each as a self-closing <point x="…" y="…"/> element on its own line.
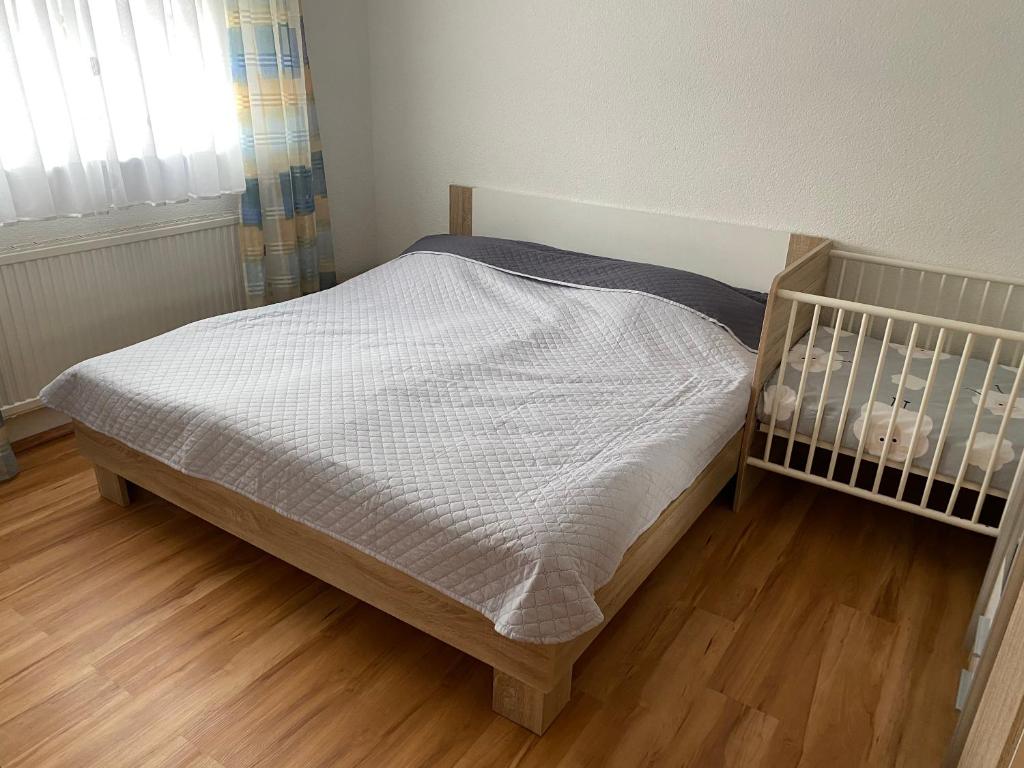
<point x="64" y="302"/>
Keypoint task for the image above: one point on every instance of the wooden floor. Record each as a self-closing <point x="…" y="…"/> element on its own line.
<point x="809" y="630"/>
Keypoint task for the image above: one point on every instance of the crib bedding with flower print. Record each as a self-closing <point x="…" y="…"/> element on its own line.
<point x="896" y="382"/>
<point x="869" y="418"/>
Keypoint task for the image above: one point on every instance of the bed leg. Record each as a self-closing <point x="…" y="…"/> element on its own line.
<point x="528" y="706"/>
<point x="112" y="486"/>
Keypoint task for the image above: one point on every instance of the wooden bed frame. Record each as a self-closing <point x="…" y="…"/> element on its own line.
<point x="531" y="682"/>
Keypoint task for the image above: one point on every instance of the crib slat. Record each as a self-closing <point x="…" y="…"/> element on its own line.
<point x="993" y="361"/>
<point x="878" y="293"/>
<point x="897" y="406"/>
<point x="1006" y="305"/>
<point x="938" y="306"/>
<point x="990" y="469"/>
<point x="854" y="368"/>
<point x="898" y="301"/>
<point x="871" y="399"/>
<point x="960" y="298"/>
<point x="984" y="301"/>
<point x="947" y="418"/>
<point x="925" y="398"/>
<point x="803" y="384"/>
<point x="1017" y="360"/>
<point x="782" y="373"/>
<point x="878" y="287"/>
<point x="920" y="291"/>
<point x="824" y="391"/>
<point x="856" y="291"/>
<point x="839" y="288"/>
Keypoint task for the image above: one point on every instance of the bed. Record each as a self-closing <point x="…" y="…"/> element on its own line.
<point x="492" y="440"/>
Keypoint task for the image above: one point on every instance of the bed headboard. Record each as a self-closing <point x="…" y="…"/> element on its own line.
<point x="747" y="257"/>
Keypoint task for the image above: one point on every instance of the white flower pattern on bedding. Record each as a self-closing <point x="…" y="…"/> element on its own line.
<point x="981" y="452"/>
<point x="919" y="353"/>
<point x="817" y="359"/>
<point x="787" y="401"/>
<point x="902" y="431"/>
<point x="916" y="383"/>
<point x="997" y="402"/>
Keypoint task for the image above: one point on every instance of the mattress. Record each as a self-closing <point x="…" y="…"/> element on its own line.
<point x="875" y="424"/>
<point x="500" y="438"/>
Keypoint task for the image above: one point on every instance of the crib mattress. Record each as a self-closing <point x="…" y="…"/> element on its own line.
<point x="875" y="424"/>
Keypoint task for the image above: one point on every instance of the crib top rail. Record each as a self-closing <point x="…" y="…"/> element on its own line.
<point x="954" y="294"/>
<point x="926" y="268"/>
<point x="902" y="315"/>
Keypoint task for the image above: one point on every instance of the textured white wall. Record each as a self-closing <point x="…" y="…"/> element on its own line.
<point x="895" y="127"/>
<point x="336" y="37"/>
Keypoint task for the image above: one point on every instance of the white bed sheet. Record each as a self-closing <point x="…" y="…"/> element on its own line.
<point x="500" y="439"/>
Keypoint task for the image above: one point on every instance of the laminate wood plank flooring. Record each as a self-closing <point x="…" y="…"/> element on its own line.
<point x="809" y="629"/>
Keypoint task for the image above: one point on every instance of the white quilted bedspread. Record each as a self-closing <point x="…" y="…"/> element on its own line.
<point x="501" y="439"/>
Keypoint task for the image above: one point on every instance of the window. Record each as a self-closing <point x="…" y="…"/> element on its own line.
<point x="110" y="103"/>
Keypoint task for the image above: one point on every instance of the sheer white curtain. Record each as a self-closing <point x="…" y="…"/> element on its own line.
<point x="109" y="103"/>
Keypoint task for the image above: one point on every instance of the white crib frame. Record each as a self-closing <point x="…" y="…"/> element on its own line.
<point x="814" y="285"/>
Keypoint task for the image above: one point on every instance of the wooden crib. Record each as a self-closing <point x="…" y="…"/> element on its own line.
<point x="893" y="381"/>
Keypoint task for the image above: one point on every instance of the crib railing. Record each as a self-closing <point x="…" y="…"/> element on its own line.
<point x="937" y="335"/>
<point x="951" y="294"/>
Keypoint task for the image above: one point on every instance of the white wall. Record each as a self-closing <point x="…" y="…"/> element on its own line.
<point x="336" y="38"/>
<point x="895" y="127"/>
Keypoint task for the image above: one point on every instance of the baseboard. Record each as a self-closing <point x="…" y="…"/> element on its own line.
<point x="49" y="435"/>
<point x="30" y="426"/>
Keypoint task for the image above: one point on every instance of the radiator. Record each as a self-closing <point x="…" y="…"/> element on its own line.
<point x="68" y="301"/>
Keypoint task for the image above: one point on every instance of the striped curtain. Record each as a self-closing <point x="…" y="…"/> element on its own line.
<point x="285" y="229"/>
<point x="8" y="466"/>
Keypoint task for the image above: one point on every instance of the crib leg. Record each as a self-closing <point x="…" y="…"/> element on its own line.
<point x="748" y="477"/>
<point x="747" y="480"/>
